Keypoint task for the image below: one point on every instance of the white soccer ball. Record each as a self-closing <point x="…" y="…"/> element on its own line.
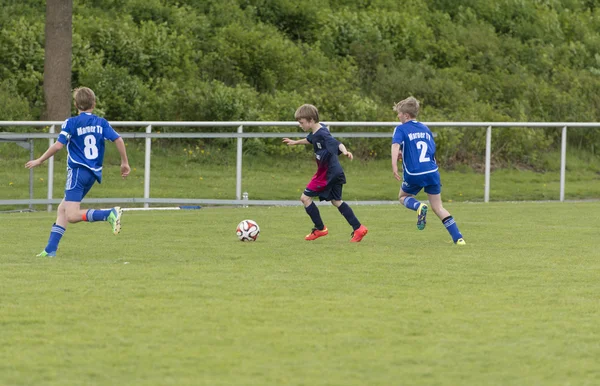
<point x="248" y="230"/>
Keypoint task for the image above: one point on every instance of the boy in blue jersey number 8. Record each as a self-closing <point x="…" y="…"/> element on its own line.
<point x="328" y="181"/>
<point x="84" y="137"/>
<point x="413" y="142"/>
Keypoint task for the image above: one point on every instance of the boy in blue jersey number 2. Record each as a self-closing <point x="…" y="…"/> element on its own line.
<point x="329" y="179"/>
<point x="413" y="142"/>
<point x="84" y="137"/>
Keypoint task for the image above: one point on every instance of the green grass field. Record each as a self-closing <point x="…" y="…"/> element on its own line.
<point x="175" y="299"/>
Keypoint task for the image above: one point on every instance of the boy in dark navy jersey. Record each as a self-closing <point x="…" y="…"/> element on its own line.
<point x="413" y="143"/>
<point x="84" y="137"/>
<point x="329" y="179"/>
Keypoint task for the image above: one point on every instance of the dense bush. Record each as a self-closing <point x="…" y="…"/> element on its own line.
<point x="506" y="60"/>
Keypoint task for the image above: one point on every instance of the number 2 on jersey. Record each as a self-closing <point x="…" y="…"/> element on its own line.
<point x="421" y="145"/>
<point x="90" y="150"/>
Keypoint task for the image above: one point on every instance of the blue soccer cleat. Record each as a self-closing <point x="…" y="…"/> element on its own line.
<point x="422" y="216"/>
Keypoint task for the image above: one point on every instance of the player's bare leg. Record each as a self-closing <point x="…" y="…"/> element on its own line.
<point x="435" y="200"/>
<point x="73" y="212"/>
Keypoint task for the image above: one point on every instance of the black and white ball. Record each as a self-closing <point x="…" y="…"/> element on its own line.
<point x="248" y="230"/>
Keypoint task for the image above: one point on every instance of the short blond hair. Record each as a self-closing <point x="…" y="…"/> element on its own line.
<point x="408" y="106"/>
<point x="308" y="112"/>
<point x="84" y="97"/>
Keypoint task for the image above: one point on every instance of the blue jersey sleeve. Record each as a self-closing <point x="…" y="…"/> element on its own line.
<point x="310" y="137"/>
<point x="398" y="136"/>
<point x="332" y="145"/>
<point x="65" y="132"/>
<point x="108" y="132"/>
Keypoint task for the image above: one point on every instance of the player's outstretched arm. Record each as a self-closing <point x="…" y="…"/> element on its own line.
<point x="55" y="148"/>
<point x="395" y="159"/>
<point x="345" y="151"/>
<point x="291" y="142"/>
<point x="125" y="169"/>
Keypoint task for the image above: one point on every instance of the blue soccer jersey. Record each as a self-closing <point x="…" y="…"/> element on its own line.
<point x="418" y="150"/>
<point x="84" y="137"/>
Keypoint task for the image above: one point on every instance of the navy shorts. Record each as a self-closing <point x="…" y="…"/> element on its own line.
<point x="79" y="183"/>
<point x="331" y="193"/>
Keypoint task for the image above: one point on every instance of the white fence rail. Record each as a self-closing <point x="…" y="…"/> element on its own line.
<point x="240" y="134"/>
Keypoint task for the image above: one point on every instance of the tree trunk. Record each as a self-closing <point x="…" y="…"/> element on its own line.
<point x="57" y="60"/>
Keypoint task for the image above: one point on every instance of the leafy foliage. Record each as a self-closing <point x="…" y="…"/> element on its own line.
<point x="507" y="60"/>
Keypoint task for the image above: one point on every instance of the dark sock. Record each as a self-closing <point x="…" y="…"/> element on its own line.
<point x="347" y="212"/>
<point x="315" y="216"/>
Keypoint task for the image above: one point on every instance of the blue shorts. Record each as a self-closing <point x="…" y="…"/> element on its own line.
<point x="331" y="193"/>
<point x="79" y="183"/>
<point x="430" y="182"/>
<point x="415" y="189"/>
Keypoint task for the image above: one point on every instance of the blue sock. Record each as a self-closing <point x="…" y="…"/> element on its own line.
<point x="56" y="233"/>
<point x="315" y="216"/>
<point x="412" y="203"/>
<point x="347" y="212"/>
<point x="452" y="228"/>
<point x="97" y="215"/>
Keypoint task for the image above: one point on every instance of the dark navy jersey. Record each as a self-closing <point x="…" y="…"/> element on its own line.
<point x="329" y="170"/>
<point x="418" y="149"/>
<point x="84" y="137"/>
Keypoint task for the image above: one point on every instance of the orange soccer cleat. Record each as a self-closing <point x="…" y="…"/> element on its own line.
<point x="358" y="234"/>
<point x="316" y="233"/>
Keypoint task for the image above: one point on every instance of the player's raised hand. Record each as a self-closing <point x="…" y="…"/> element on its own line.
<point x="289" y="142"/>
<point x="125" y="169"/>
<point x="33" y="163"/>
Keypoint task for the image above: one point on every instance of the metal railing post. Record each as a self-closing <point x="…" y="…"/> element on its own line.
<point x="563" y="162"/>
<point x="31" y="174"/>
<point x="147" y="166"/>
<point x="51" y="172"/>
<point x="488" y="162"/>
<point x="238" y="166"/>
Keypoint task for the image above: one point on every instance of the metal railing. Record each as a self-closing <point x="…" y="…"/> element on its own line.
<point x="240" y="134"/>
